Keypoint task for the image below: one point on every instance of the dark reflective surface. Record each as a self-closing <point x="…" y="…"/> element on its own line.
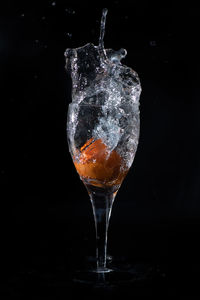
<point x="49" y="259"/>
<point x="47" y="229"/>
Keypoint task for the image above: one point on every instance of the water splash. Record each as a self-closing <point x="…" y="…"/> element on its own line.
<point x="99" y="78"/>
<point x="102" y="32"/>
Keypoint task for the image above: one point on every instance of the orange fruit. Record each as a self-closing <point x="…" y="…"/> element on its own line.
<point x="98" y="164"/>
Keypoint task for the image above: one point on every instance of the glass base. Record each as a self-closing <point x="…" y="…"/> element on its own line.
<point x="120" y="272"/>
<point x="102" y="270"/>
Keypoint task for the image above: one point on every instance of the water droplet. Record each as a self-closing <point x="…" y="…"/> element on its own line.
<point x="68" y="34"/>
<point x="152" y="43"/>
<point x="70" y="11"/>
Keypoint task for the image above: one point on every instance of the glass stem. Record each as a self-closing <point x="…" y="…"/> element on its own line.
<point x="102" y="207"/>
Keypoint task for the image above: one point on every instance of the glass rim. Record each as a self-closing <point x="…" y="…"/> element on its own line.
<point x="97" y="105"/>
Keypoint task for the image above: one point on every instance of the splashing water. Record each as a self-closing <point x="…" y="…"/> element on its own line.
<point x="99" y="78"/>
<point x="102" y="32"/>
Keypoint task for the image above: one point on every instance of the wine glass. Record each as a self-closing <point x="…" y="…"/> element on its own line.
<point x="102" y="141"/>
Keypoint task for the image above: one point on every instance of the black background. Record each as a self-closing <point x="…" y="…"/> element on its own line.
<point x="47" y="226"/>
